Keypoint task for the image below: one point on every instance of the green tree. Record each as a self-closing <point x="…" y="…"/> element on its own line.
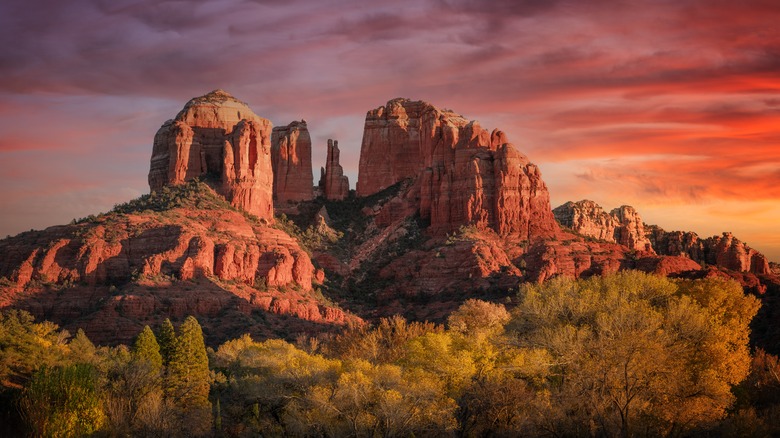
<point x="63" y="402"/>
<point x="188" y="377"/>
<point x="82" y="350"/>
<point x="146" y="348"/>
<point x="26" y="345"/>
<point x="166" y="339"/>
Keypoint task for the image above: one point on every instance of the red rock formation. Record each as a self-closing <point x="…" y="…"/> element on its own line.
<point x="630" y="230"/>
<point x="624" y="226"/>
<point x="464" y="174"/>
<point x="291" y="161"/>
<point x="676" y="243"/>
<point x="587" y="218"/>
<point x="333" y="183"/>
<point x="203" y="260"/>
<point x="217" y="136"/>
<point x="728" y="252"/>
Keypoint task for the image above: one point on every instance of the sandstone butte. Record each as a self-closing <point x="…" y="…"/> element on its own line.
<point x="218" y="137"/>
<point x="291" y="162"/>
<point x="333" y="183"/>
<point x="446" y="210"/>
<point x="464" y="174"/>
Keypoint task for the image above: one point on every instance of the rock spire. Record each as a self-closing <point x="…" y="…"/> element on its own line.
<point x="333" y="183"/>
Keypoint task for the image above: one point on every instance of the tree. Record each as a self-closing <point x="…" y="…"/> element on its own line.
<point x="82" y="350"/>
<point x="188" y="377"/>
<point x="166" y="339"/>
<point x="63" y="401"/>
<point x="146" y="348"/>
<point x="374" y="400"/>
<point x="26" y="345"/>
<point x="632" y="351"/>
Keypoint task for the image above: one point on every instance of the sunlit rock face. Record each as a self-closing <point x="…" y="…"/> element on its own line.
<point x="219" y="138"/>
<point x="291" y="161"/>
<point x="624" y="226"/>
<point x="464" y="174"/>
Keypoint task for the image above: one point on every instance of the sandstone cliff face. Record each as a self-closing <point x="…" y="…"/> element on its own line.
<point x="729" y="252"/>
<point x="725" y="251"/>
<point x="624" y="226"/>
<point x="218" y="137"/>
<point x="630" y="231"/>
<point x="333" y="183"/>
<point x="587" y="218"/>
<point x="126" y="268"/>
<point x="465" y="175"/>
<point x="291" y="161"/>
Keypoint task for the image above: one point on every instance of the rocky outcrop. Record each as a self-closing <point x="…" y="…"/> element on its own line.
<point x="630" y="230"/>
<point x="224" y="245"/>
<point x="465" y="175"/>
<point x="622" y="225"/>
<point x="676" y="243"/>
<point x="219" y="138"/>
<point x="728" y="252"/>
<point x="291" y="161"/>
<point x="587" y="218"/>
<point x="334" y="185"/>
<point x="126" y="268"/>
<point x="725" y="251"/>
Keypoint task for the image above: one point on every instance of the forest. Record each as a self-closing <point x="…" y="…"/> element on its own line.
<point x="623" y="355"/>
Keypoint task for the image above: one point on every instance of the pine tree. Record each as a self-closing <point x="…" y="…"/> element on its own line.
<point x="188" y="377"/>
<point x="146" y="348"/>
<point x="166" y="339"/>
<point x="82" y="350"/>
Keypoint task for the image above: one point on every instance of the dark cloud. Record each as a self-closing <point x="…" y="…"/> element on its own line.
<point x="500" y="8"/>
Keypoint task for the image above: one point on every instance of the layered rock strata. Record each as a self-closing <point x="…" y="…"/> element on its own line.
<point x="334" y="185"/>
<point x="117" y="272"/>
<point x="624" y="226"/>
<point x="220" y="139"/>
<point x="291" y="162"/>
<point x="465" y="175"/>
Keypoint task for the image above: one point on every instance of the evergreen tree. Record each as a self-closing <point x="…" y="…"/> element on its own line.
<point x="188" y="377"/>
<point x="146" y="348"/>
<point x="166" y="339"/>
<point x="82" y="350"/>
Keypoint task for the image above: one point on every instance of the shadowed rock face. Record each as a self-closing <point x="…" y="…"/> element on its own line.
<point x="333" y="183"/>
<point x="291" y="161"/>
<point x="464" y="174"/>
<point x="218" y="137"/>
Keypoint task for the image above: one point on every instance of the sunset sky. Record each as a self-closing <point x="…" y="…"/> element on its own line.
<point x="670" y="106"/>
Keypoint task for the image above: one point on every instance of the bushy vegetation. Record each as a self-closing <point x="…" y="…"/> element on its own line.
<point x="624" y="355"/>
<point x="193" y="194"/>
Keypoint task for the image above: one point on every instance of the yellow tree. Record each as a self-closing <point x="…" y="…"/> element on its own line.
<point x="631" y="351"/>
